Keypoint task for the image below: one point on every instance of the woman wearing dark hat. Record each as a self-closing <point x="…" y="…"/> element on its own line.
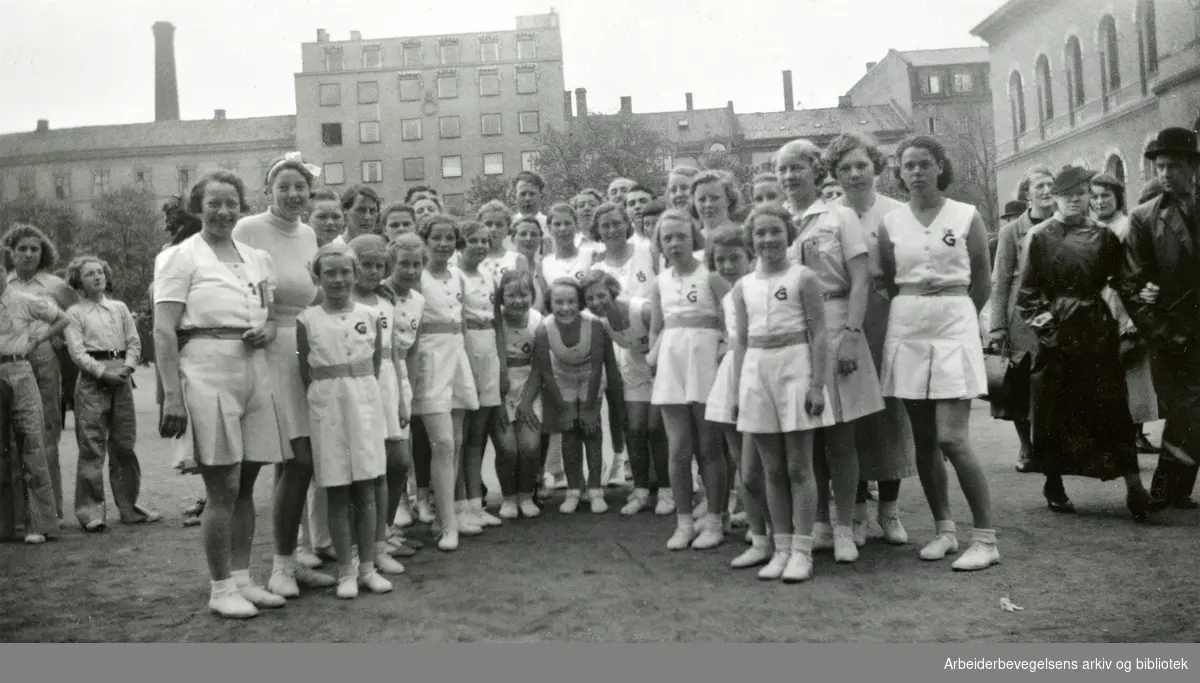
<point x="1010" y="335"/>
<point x="1108" y="209"/>
<point x="1158" y="286"/>
<point x="1082" y="426"/>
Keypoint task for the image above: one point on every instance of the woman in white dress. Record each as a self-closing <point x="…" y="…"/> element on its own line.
<point x="935" y="257"/>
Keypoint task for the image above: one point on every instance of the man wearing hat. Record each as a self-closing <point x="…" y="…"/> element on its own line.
<point x="1159" y="284"/>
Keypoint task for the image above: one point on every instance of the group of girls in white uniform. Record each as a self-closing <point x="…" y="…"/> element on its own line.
<point x="761" y="353"/>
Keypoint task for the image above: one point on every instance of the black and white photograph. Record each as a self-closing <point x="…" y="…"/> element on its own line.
<point x="604" y="321"/>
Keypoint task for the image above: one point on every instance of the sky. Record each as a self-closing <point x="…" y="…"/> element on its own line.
<point x="91" y="62"/>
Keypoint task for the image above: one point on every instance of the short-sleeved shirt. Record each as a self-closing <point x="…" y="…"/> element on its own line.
<point x="934" y="256"/>
<point x="20" y="314"/>
<point x="216" y="294"/>
<point x="409" y="309"/>
<point x="105" y="325"/>
<point x="443" y="298"/>
<point x="636" y="275"/>
<point x="479" y="295"/>
<point x="47" y="286"/>
<point x="830" y="236"/>
<point x="292" y="248"/>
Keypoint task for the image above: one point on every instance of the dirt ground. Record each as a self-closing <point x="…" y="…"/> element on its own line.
<point x="1092" y="577"/>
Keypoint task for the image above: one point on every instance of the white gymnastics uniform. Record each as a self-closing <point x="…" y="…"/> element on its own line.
<point x="409" y="310"/>
<point x="632" y="345"/>
<point x="554" y="267"/>
<point x="933" y="350"/>
<point x="443" y="381"/>
<point x="662" y="260"/>
<point x="777" y="369"/>
<point x="479" y="304"/>
<point x="389" y="382"/>
<point x="518" y="344"/>
<point x="636" y="275"/>
<point x="345" y="405"/>
<point x="723" y="398"/>
<point x="499" y="266"/>
<point x="226" y="384"/>
<point x="690" y="340"/>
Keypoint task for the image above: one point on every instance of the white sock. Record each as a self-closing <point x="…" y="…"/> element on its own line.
<point x="758" y="541"/>
<point x="366" y="569"/>
<point x="240" y="577"/>
<point x="802" y="544"/>
<point x="946" y="527"/>
<point x="783" y="543"/>
<point x="283" y="562"/>
<point x="684" y="520"/>
<point x="219" y="587"/>
<point x="889" y="509"/>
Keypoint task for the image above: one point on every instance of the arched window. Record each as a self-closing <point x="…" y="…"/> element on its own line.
<point x="1115" y="167"/>
<point x="1110" y="64"/>
<point x="1147" y="40"/>
<point x="1045" y="94"/>
<point x="1016" y="103"/>
<point x="1073" y="56"/>
<point x="717" y="147"/>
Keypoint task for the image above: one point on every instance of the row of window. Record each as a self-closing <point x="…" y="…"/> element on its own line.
<point x="449" y="127"/>
<point x="1109" y="64"/>
<point x="411" y="87"/>
<point x="413" y="168"/>
<point x="448" y="53"/>
<point x="101" y="182"/>
<point x="961" y="82"/>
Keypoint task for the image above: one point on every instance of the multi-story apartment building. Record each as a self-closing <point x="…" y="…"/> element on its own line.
<point x="435" y="110"/>
<point x="1090" y="82"/>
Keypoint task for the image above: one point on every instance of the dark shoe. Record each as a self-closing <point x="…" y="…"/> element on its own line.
<point x="1141" y="504"/>
<point x="1184" y="504"/>
<point x="95" y="526"/>
<point x="1144" y="446"/>
<point x="1062" y="505"/>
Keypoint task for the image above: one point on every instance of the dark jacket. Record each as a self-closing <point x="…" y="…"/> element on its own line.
<point x="1160" y="249"/>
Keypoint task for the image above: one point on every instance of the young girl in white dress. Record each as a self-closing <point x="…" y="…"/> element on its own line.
<point x="573" y="355"/>
<point x="570" y="259"/>
<point x="780" y="357"/>
<point x="517" y="461"/>
<point x="502" y="256"/>
<point x="373" y="268"/>
<point x="685" y="336"/>
<point x="341" y="356"/>
<point x="440" y="372"/>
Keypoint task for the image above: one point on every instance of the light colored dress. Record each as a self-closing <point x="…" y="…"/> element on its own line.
<point x="777" y="369"/>
<point x="1143" y="400"/>
<point x="443" y="380"/>
<point x="723" y="400"/>
<point x="689" y="344"/>
<point x="345" y="405"/>
<point x="389" y="381"/>
<point x="227" y="385"/>
<point x="884" y="440"/>
<point x="636" y="275"/>
<point x="518" y="344"/>
<point x="933" y="349"/>
<point x="409" y="310"/>
<point x="479" y="304"/>
<point x="830" y="236"/>
<point x="555" y="267"/>
<point x="501" y="265"/>
<point x="632" y="345"/>
<point x="292" y="248"/>
<point x="572" y="368"/>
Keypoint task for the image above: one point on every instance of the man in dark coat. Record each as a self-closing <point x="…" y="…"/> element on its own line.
<point x="1159" y="284"/>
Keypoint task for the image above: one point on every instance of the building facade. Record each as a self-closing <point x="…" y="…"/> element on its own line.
<point x="1090" y="82"/>
<point x="432" y="110"/>
<point x="76" y="165"/>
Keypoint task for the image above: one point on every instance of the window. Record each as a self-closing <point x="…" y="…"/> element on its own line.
<point x="332" y="173"/>
<point x="372" y="57"/>
<point x="526" y="82"/>
<point x="372" y="171"/>
<point x="62" y="186"/>
<point x="414" y="168"/>
<point x="412" y="55"/>
<point x="1016" y="103"/>
<point x="489" y="51"/>
<point x="185" y="181"/>
<point x="333" y="59"/>
<point x="529" y="161"/>
<point x="1115" y="167"/>
<point x="368" y="132"/>
<point x="489" y="84"/>
<point x="931" y="125"/>
<point x="528" y="122"/>
<point x="493" y="164"/>
<point x="331" y="94"/>
<point x="717" y="148"/>
<point x="447" y="86"/>
<point x="410" y="88"/>
<point x="932" y="84"/>
<point x="526" y="48"/>
<point x="1041" y="70"/>
<point x="490" y="124"/>
<point x="331" y="134"/>
<point x="449" y="127"/>
<point x="455" y="204"/>
<point x="1147" y="38"/>
<point x="1074" y="58"/>
<point x="452" y="167"/>
<point x="963" y="82"/>
<point x="1110" y="68"/>
<point x="27" y="184"/>
<point x="368" y="92"/>
<point x="449" y="52"/>
<point x="410" y="129"/>
<point x="143" y="179"/>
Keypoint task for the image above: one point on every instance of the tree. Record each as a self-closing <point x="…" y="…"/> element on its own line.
<point x="970" y="144"/>
<point x="59" y="221"/>
<point x="484" y="189"/>
<point x="596" y="149"/>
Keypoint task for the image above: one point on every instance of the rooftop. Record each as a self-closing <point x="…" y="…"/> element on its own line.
<point x="1003" y="16"/>
<point x="821" y="122"/>
<point x="946" y="56"/>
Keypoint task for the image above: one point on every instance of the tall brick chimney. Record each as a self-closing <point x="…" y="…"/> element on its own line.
<point x="567" y="116"/>
<point x="626" y="104"/>
<point x="581" y="109"/>
<point x="166" y="86"/>
<point x="688" y="98"/>
<point x="789" y="102"/>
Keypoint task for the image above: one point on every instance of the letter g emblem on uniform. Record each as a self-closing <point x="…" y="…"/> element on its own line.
<point x="360" y="327"/>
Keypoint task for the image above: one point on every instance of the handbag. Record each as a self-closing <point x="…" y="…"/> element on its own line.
<point x="997" y="369"/>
